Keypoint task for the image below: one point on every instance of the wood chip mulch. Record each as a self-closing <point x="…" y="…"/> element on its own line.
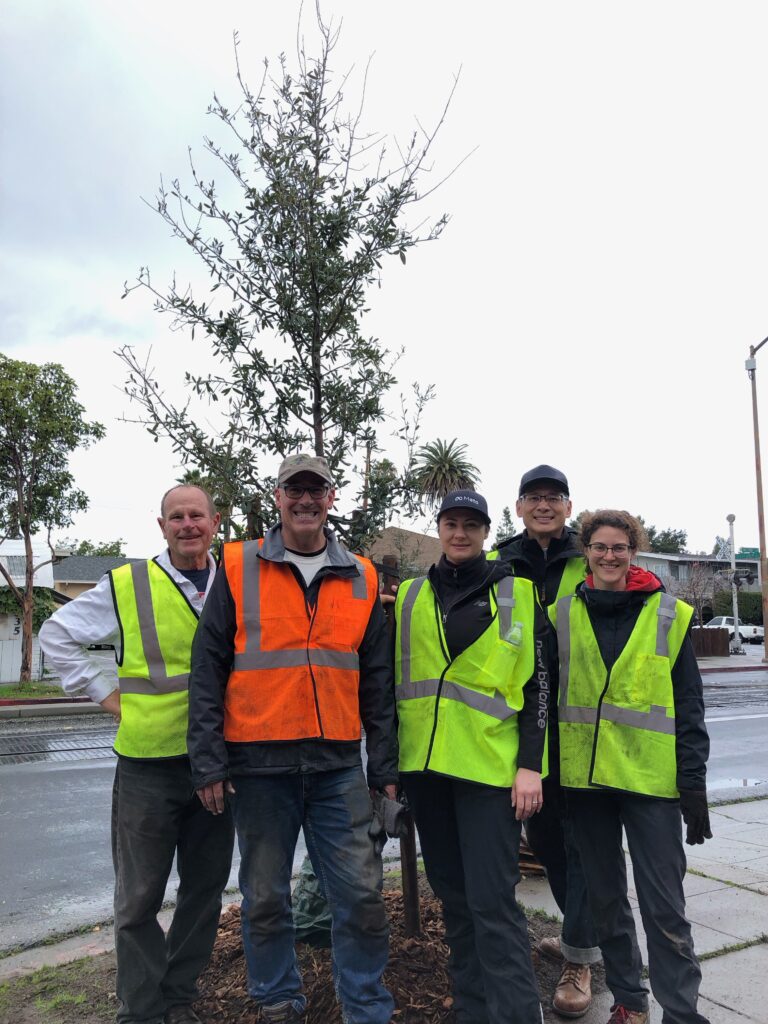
<point x="416" y="975"/>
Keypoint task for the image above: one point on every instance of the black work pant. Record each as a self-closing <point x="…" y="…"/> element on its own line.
<point x="156" y="814"/>
<point x="550" y="836"/>
<point x="470" y="843"/>
<point x="654" y="837"/>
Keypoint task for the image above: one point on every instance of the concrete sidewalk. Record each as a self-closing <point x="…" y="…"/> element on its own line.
<point x="727" y="904"/>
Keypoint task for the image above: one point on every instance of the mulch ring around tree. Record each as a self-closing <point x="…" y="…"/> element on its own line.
<point x="416" y="974"/>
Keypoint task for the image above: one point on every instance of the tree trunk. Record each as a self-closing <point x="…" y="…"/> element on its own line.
<point x="27" y="608"/>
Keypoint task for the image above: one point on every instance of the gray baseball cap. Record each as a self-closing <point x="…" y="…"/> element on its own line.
<point x="303" y="462"/>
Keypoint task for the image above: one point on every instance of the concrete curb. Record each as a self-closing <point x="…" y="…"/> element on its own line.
<point x="751" y="667"/>
<point x="41" y="710"/>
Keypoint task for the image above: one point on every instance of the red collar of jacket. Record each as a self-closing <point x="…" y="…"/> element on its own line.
<point x="637" y="579"/>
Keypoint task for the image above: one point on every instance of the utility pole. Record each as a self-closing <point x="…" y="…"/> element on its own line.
<point x="751" y="368"/>
<point x="737" y="648"/>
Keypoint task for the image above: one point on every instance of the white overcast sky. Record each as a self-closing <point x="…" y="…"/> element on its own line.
<point x="591" y="303"/>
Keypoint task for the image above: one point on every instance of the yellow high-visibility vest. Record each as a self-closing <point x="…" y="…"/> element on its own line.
<point x="574" y="572"/>
<point x="458" y="716"/>
<point x="617" y="728"/>
<point x="157" y="624"/>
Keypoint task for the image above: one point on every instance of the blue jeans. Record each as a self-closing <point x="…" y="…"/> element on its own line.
<point x="334" y="809"/>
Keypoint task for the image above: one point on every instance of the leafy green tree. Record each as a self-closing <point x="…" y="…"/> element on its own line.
<point x="506" y="527"/>
<point x="669" y="541"/>
<point x="43" y="605"/>
<point x="441" y="467"/>
<point x="105" y="547"/>
<point x="41" y="424"/>
<point x="750" y="606"/>
<point x="293" y="258"/>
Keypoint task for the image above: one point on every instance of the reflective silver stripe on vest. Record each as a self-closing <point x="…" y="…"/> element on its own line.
<point x="253" y="657"/>
<point x="495" y="707"/>
<point x="360" y="582"/>
<point x="251" y="598"/>
<point x="159" y="681"/>
<point x="406" y="616"/>
<point x="655" y="720"/>
<point x="150" y="688"/>
<point x="582" y="716"/>
<point x="506" y="602"/>
<point x="420" y="688"/>
<point x="295" y="658"/>
<point x="564" y="649"/>
<point x="667" y="612"/>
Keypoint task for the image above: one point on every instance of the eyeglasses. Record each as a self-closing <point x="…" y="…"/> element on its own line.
<point x="544" y="499"/>
<point x="620" y="550"/>
<point x="316" y="491"/>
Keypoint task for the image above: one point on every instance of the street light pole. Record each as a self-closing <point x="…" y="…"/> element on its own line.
<point x="737" y="648"/>
<point x="751" y="368"/>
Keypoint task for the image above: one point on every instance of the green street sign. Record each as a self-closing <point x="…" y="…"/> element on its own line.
<point x="748" y="553"/>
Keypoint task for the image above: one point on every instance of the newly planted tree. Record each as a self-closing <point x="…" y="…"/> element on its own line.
<point x="317" y="207"/>
<point x="41" y="424"/>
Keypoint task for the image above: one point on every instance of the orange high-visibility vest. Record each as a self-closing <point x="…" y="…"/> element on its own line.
<point x="296" y="668"/>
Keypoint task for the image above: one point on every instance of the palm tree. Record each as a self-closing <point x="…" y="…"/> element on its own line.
<point x="441" y="467"/>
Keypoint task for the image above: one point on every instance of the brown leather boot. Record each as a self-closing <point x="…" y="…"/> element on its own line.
<point x="574" y="991"/>
<point x="621" y="1015"/>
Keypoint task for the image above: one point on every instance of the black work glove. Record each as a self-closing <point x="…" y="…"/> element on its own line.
<point x="693" y="807"/>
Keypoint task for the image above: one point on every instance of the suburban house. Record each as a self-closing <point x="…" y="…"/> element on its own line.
<point x="74" y="574"/>
<point x="14" y="558"/>
<point x="413" y="552"/>
<point x="696" y="578"/>
<point x="67" y="577"/>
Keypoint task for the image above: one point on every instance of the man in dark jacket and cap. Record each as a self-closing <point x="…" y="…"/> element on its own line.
<point x="547" y="553"/>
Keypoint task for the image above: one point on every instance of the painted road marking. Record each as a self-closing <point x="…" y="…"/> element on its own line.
<point x="734" y="718"/>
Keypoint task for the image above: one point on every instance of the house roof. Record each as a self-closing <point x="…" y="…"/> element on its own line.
<point x="86" y="568"/>
<point x="409" y="546"/>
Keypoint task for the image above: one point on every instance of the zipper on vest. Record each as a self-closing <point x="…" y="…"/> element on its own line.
<point x="312" y="612"/>
<point x="597" y="726"/>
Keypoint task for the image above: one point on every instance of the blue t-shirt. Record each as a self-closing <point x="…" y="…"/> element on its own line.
<point x="198" y="577"/>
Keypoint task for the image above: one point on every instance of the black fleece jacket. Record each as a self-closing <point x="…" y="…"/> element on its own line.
<point x="613" y="615"/>
<point x="462" y="596"/>
<point x="212" y="656"/>
<point x="544" y="566"/>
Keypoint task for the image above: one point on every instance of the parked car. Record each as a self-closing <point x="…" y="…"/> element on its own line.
<point x="748" y="634"/>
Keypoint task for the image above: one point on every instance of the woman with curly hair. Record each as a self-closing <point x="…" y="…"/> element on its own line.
<point x="633" y="752"/>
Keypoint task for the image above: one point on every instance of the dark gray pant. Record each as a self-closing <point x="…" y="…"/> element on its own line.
<point x="654" y="837"/>
<point x="156" y="814"/>
<point x="470" y="842"/>
<point x="550" y="836"/>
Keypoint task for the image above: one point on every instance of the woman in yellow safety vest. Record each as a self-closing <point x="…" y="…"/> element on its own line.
<point x="633" y="752"/>
<point x="472" y="688"/>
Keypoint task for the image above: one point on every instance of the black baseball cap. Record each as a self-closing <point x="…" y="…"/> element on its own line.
<point x="544" y="474"/>
<point x="466" y="499"/>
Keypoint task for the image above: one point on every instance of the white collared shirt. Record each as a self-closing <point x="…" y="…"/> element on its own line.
<point x="91" y="619"/>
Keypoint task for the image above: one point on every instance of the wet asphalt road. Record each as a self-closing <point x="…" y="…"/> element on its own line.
<point x="55" y="791"/>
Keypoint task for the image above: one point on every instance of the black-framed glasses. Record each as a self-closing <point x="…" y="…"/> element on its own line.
<point x="544" y="499"/>
<point x="620" y="550"/>
<point x="316" y="491"/>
